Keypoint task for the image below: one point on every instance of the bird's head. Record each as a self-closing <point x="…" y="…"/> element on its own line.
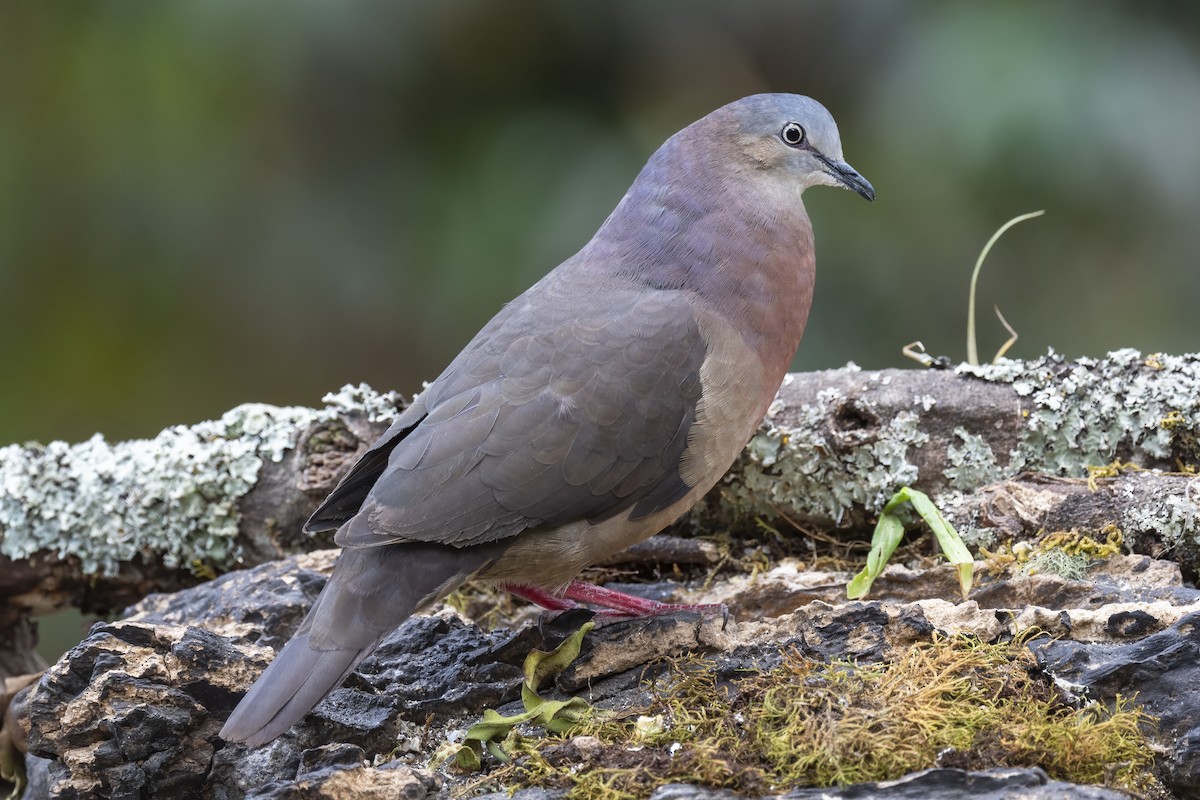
<point x="791" y="136"/>
<point x="727" y="189"/>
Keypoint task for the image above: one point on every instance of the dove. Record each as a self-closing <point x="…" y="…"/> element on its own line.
<point x="591" y="412"/>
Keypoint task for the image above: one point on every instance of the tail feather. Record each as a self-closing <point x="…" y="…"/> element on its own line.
<point x="371" y="592"/>
<point x="298" y="679"/>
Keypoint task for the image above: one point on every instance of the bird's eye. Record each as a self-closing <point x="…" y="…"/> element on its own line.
<point x="792" y="135"/>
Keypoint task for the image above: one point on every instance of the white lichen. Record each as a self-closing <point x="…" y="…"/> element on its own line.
<point x="362" y="399"/>
<point x="1087" y="410"/>
<point x="173" y="498"/>
<point x="971" y="465"/>
<point x="1080" y="413"/>
<point x="794" y="466"/>
<point x="1175" y="520"/>
<point x="956" y="506"/>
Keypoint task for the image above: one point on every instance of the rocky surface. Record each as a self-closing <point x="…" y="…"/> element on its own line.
<point x="933" y="784"/>
<point x="133" y="711"/>
<point x="1161" y="670"/>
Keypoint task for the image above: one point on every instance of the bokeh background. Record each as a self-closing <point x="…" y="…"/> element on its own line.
<point x="206" y="202"/>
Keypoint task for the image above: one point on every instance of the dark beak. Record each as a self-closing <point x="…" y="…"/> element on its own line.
<point x="851" y="179"/>
<point x="848" y="176"/>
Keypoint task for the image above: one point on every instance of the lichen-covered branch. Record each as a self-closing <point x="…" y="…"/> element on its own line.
<point x="1153" y="512"/>
<point x="96" y="524"/>
<point x="836" y="445"/>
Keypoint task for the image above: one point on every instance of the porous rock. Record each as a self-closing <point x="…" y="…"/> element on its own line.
<point x="134" y="710"/>
<point x="393" y="780"/>
<point x="1160" y="671"/>
<point x="930" y="784"/>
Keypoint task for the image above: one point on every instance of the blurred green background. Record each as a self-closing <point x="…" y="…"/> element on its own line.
<point x="206" y="202"/>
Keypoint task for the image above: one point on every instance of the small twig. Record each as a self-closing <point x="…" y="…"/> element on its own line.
<point x="916" y="351"/>
<point x="666" y="550"/>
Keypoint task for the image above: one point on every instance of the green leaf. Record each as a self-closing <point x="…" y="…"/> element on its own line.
<point x="556" y="716"/>
<point x="494" y="726"/>
<point x="541" y="664"/>
<point x="952" y="545"/>
<point x="890" y="530"/>
<point x="568" y="715"/>
<point x="888" y="533"/>
<point x="465" y="758"/>
<point x="497" y="751"/>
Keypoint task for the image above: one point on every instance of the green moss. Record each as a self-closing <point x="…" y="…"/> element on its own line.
<point x="953" y="702"/>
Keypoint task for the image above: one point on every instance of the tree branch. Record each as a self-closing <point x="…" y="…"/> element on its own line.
<point x="98" y="525"/>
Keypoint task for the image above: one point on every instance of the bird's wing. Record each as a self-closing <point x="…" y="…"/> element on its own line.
<point x="347" y="497"/>
<point x="345" y="500"/>
<point x="566" y="407"/>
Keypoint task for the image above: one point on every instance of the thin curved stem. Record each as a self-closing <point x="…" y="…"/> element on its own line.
<point x="972" y="350"/>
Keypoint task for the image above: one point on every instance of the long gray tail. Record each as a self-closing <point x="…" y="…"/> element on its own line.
<point x="372" y="590"/>
<point x="298" y="679"/>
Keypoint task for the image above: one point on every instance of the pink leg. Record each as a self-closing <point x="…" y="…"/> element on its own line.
<point x="621" y="604"/>
<point x="539" y="597"/>
<point x="613" y="603"/>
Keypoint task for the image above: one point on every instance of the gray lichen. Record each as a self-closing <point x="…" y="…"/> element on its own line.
<point x="1067" y="415"/>
<point x="1087" y="411"/>
<point x="172" y="498"/>
<point x="971" y="465"/>
<point x="956" y="506"/>
<point x="362" y="399"/>
<point x="1175" y="520"/>
<point x="793" y="465"/>
<point x="176" y="497"/>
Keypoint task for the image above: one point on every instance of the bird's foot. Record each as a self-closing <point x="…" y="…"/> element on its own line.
<point x="612" y="604"/>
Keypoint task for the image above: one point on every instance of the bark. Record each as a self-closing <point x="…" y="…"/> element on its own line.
<point x="836" y="445"/>
<point x="97" y="526"/>
<point x="1128" y="502"/>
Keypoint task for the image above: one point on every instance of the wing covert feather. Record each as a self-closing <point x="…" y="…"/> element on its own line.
<point x="557" y="411"/>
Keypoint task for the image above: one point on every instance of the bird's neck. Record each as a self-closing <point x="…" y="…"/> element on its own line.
<point x="746" y="256"/>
